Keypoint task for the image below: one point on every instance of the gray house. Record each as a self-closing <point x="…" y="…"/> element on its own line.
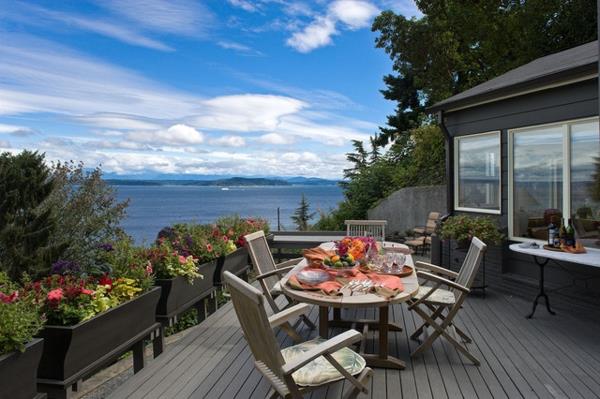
<point x="524" y="148"/>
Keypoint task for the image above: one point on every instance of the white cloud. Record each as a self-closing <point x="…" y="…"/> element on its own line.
<point x="183" y="17"/>
<point x="354" y="13"/>
<point x="16" y="130"/>
<point x="246" y="112"/>
<point x="228" y="141"/>
<point x="244" y="5"/>
<point x="176" y="134"/>
<point x="315" y="35"/>
<point x="119" y="121"/>
<point x="408" y="8"/>
<point x="239" y="47"/>
<point x="275" y="139"/>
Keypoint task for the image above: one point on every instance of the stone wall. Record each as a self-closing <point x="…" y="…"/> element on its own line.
<point x="409" y="207"/>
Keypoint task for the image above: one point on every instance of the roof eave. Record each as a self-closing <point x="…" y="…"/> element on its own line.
<point x="537" y="84"/>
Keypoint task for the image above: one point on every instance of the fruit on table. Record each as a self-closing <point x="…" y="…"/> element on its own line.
<point x="339" y="261"/>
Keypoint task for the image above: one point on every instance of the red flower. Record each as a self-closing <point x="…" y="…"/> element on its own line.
<point x="105" y="280"/>
<point x="225" y="238"/>
<point x="85" y="291"/>
<point x="55" y="296"/>
<point x="216" y="233"/>
<point x="9" y="298"/>
<point x="209" y="247"/>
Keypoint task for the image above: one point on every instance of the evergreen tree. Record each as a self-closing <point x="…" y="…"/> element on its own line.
<point x="25" y="228"/>
<point x="302" y="215"/>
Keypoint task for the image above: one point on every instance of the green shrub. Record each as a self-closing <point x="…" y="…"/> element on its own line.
<point x="462" y="228"/>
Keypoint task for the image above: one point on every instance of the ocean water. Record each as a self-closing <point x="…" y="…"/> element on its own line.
<point x="153" y="207"/>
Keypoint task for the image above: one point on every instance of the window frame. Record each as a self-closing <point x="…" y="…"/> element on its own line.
<point x="456" y="143"/>
<point x="566" y="171"/>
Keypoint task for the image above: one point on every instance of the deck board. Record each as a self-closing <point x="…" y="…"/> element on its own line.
<point x="547" y="357"/>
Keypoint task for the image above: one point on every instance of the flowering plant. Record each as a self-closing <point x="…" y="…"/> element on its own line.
<point x="463" y="228"/>
<point x="19" y="317"/>
<point x="235" y="228"/>
<point x="358" y="247"/>
<point x="168" y="263"/>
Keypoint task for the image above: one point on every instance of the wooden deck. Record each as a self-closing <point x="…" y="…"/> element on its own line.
<point x="547" y="357"/>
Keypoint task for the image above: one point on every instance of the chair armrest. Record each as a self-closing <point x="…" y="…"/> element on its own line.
<point x="289" y="313"/>
<point x="276" y="272"/>
<point x="290" y="262"/>
<point x="330" y="346"/>
<point x="435" y="269"/>
<point x="441" y="280"/>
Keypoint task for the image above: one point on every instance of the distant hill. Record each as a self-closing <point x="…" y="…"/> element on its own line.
<point x="222" y="182"/>
<point x="233" y="181"/>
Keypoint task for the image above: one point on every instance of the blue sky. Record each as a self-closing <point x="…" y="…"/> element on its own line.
<point x="233" y="87"/>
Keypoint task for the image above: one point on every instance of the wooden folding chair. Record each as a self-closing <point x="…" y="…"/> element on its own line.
<point x="372" y="228"/>
<point x="268" y="272"/>
<point x="294" y="370"/>
<point x="444" y="304"/>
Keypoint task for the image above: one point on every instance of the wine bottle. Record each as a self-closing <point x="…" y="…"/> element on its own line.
<point x="562" y="232"/>
<point x="570" y="234"/>
<point x="551" y="234"/>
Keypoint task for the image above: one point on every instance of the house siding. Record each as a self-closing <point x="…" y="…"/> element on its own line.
<point x="505" y="269"/>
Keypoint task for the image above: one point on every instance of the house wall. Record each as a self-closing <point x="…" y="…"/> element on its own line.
<point x="409" y="207"/>
<point x="504" y="268"/>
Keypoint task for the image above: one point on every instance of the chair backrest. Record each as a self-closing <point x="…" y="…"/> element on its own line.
<point x="249" y="307"/>
<point x="261" y="256"/>
<point x="470" y="266"/>
<point x="432" y="221"/>
<point x="372" y="228"/>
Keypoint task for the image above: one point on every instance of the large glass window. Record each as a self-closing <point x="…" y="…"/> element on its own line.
<point x="478" y="173"/>
<point x="553" y="177"/>
<point x="585" y="182"/>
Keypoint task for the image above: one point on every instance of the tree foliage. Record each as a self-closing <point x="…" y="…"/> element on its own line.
<point x="302" y="215"/>
<point x="25" y="227"/>
<point x="86" y="210"/>
<point x="459" y="44"/>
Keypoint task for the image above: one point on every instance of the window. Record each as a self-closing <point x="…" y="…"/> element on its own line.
<point x="552" y="176"/>
<point x="477" y="173"/>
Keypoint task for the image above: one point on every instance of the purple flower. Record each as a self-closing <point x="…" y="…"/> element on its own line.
<point x="106" y="247"/>
<point x="64" y="267"/>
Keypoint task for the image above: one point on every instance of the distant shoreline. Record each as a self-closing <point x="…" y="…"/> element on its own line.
<point x="230" y="182"/>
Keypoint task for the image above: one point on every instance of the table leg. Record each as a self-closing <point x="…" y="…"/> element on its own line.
<point x="542" y="290"/>
<point x="323" y="322"/>
<point x="383" y="359"/>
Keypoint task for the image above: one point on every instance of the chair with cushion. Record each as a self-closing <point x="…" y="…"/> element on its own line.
<point x="429" y="228"/>
<point x="294" y="370"/>
<point x="439" y="306"/>
<point x="268" y="272"/>
<point x="371" y="228"/>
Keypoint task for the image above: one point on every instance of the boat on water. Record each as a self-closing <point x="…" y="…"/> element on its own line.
<point x="224" y="188"/>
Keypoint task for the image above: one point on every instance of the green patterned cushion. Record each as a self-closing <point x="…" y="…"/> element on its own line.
<point x="320" y="371"/>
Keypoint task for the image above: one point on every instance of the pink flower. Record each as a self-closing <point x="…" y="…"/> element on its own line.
<point x="85" y="291"/>
<point x="209" y="247"/>
<point x="182" y="259"/>
<point x="149" y="268"/>
<point x="56" y="295"/>
<point x="9" y="298"/>
<point x="225" y="238"/>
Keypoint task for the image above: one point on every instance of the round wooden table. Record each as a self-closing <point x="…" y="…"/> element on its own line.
<point x="369" y="300"/>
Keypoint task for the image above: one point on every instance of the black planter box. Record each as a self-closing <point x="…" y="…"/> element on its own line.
<point x="236" y="263"/>
<point x="18" y="372"/>
<point x="178" y="294"/>
<point x="70" y="350"/>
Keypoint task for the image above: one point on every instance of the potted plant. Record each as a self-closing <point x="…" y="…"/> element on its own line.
<point x="20" y="352"/>
<point x="92" y="318"/>
<point x="463" y="228"/>
<point x="231" y="230"/>
<point x="181" y="277"/>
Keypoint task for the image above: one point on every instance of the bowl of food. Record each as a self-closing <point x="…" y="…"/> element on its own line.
<point x="341" y="264"/>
